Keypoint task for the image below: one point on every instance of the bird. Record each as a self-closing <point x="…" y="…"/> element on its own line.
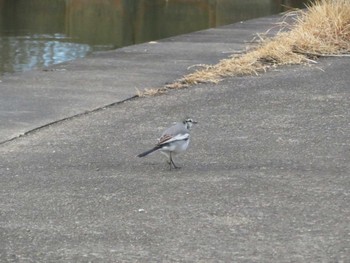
<point x="173" y="140"/>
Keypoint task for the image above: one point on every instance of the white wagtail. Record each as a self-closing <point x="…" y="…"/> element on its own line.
<point x="173" y="140"/>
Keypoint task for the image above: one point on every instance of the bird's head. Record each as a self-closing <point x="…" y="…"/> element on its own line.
<point x="189" y="122"/>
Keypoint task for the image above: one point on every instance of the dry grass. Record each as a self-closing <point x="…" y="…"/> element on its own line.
<point x="322" y="30"/>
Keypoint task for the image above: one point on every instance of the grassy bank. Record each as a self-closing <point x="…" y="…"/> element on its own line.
<point x="323" y="29"/>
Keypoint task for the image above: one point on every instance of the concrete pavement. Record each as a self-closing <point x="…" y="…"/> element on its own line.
<point x="265" y="179"/>
<point x="34" y="99"/>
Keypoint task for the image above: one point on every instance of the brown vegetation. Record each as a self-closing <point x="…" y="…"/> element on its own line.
<point x="321" y="30"/>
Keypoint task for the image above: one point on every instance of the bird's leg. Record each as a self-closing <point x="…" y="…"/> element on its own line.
<point x="172" y="162"/>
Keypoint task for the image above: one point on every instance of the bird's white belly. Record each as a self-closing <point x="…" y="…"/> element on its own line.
<point x="176" y="147"/>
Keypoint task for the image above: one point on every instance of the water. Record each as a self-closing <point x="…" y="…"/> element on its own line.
<point x="39" y="33"/>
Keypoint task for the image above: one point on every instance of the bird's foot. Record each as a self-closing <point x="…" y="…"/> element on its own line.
<point x="172" y="166"/>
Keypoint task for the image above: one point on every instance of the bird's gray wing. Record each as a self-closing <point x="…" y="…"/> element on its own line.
<point x="174" y="133"/>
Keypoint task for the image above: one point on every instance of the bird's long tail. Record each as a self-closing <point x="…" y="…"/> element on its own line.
<point x="148" y="152"/>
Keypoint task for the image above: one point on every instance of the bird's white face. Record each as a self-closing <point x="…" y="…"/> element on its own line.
<point x="189" y="122"/>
